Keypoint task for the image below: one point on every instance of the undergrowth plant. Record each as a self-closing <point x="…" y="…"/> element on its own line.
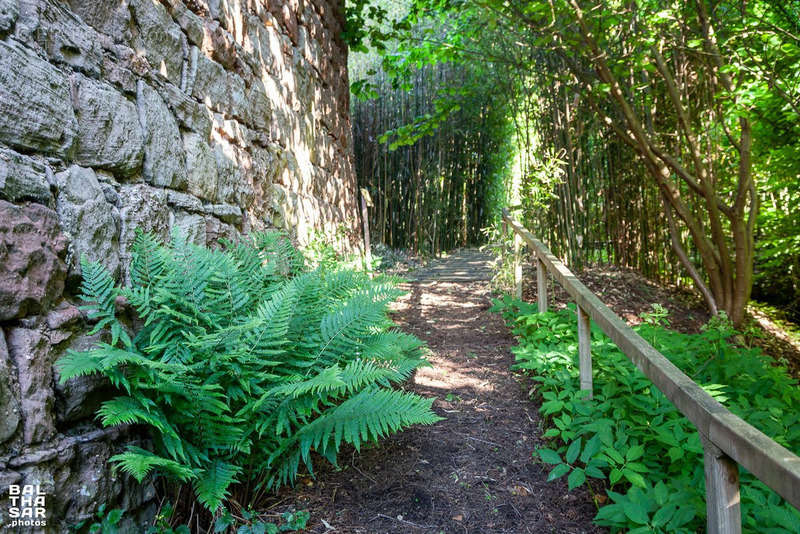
<point x="244" y="362"/>
<point x="501" y="246"/>
<point x="643" y="454"/>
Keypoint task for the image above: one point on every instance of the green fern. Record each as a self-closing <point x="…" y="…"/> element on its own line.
<point x="139" y="463"/>
<point x="211" y="485"/>
<point x="246" y="358"/>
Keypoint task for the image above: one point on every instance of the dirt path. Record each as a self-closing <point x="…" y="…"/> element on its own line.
<point x="472" y="472"/>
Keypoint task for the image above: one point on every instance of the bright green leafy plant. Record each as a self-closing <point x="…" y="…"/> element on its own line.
<point x="629" y="439"/>
<point x="244" y="362"/>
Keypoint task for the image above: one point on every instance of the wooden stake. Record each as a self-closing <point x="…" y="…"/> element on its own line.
<point x="517" y="265"/>
<point x="365" y="201"/>
<point x="585" y="351"/>
<point x="541" y="285"/>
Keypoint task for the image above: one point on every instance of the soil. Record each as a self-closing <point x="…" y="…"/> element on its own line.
<point x="473" y="472"/>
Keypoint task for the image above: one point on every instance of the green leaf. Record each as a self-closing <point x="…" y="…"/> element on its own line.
<point x="661" y="492"/>
<point x="614" y="455"/>
<point x="610" y="512"/>
<point x="573" y="451"/>
<point x="634" y="478"/>
<point x="558" y="471"/>
<point x="635" y="513"/>
<point x="576" y="478"/>
<point x="549" y="456"/>
<point x="634" y="453"/>
<point x="663" y="515"/>
<point x="681" y="517"/>
<point x="636" y="466"/>
<point x="592" y="448"/>
<point x="594" y="472"/>
<point x="114" y="516"/>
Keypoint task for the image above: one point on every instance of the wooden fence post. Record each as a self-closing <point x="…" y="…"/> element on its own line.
<point x="541" y="284"/>
<point x="503" y="249"/>
<point x="722" y="491"/>
<point x="366" y="200"/>
<point x="518" y="265"/>
<point x="585" y="351"/>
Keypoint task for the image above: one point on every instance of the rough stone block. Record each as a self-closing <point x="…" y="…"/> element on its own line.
<point x="32" y="268"/>
<point x="79" y="398"/>
<point x="23" y="178"/>
<point x="7" y="478"/>
<point x="226" y="212"/>
<point x="67" y="39"/>
<point x="9" y="11"/>
<point x="201" y="165"/>
<point x="109" y="134"/>
<point x="159" y="39"/>
<point x="229" y="172"/>
<point x="164" y="159"/>
<point x="122" y="68"/>
<point x="216" y="230"/>
<point x="30" y="351"/>
<point x="110" y="18"/>
<point x="64" y="315"/>
<point x="35" y="104"/>
<point x="90" y="222"/>
<point x="210" y="83"/>
<point x="145" y="208"/>
<point x="184" y="201"/>
<point x="257" y="44"/>
<point x="259" y="104"/>
<point x="190" y="23"/>
<point x="218" y="44"/>
<point x="191" y="225"/>
<point x="231" y="17"/>
<point x="9" y="404"/>
<point x="190" y="113"/>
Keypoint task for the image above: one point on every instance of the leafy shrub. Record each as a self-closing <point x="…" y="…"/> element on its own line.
<point x="630" y="437"/>
<point x="323" y="250"/>
<point x="244" y="362"/>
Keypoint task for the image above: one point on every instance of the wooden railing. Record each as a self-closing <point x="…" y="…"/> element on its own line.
<point x="728" y="441"/>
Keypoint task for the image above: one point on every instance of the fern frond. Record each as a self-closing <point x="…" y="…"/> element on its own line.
<point x="129" y="411"/>
<point x="139" y="463"/>
<point x="359" y="374"/>
<point x="74" y="364"/>
<point x="327" y="380"/>
<point x="211" y="484"/>
<point x="367" y="416"/>
<point x="148" y="260"/>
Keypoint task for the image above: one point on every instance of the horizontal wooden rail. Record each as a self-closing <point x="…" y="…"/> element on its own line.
<point x="726" y="437"/>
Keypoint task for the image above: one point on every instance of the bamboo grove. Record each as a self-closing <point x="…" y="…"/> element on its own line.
<point x="439" y="191"/>
<point x="657" y="135"/>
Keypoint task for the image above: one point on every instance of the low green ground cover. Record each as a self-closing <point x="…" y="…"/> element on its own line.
<point x="633" y="449"/>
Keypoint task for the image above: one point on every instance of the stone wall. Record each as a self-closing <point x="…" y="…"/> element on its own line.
<point x="213" y="116"/>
